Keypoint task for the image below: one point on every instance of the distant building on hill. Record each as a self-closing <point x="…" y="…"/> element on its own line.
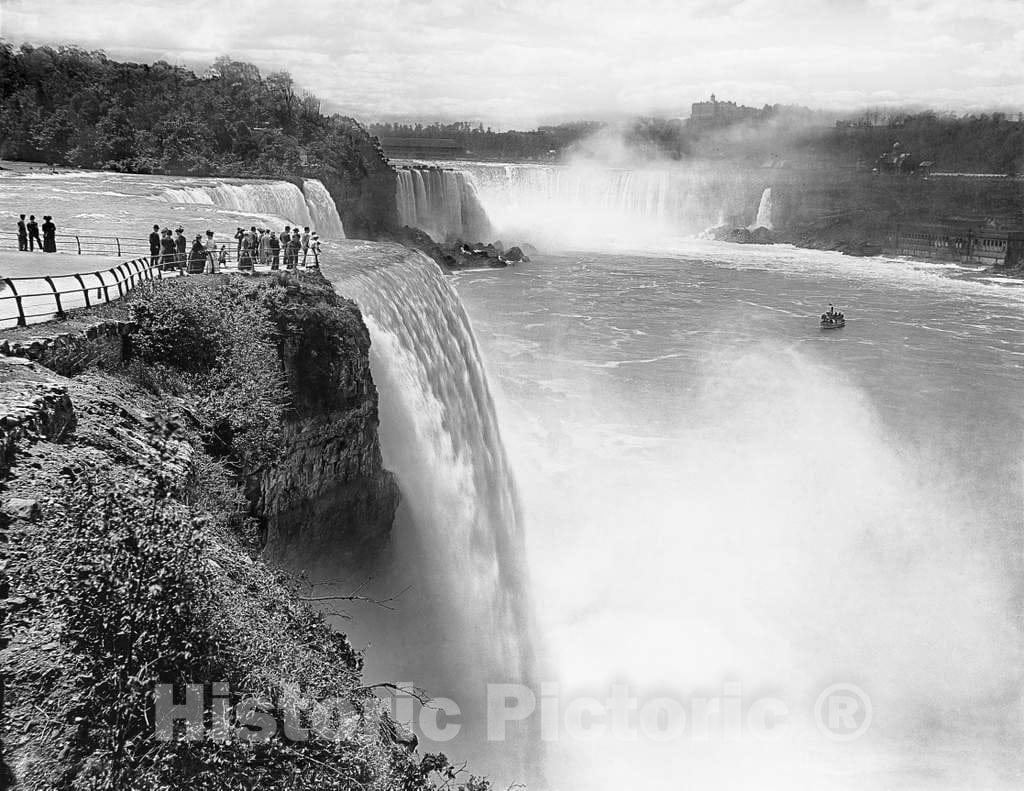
<point x="421" y="147"/>
<point x="716" y="113"/>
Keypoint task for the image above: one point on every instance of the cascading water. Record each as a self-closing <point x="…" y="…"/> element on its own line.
<point x="764" y="211"/>
<point x="584" y="203"/>
<point x="322" y="209"/>
<point x="442" y="202"/>
<point x="458" y="540"/>
<point x="277" y="201"/>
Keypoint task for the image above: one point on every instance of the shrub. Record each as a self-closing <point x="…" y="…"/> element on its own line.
<point x="214" y="344"/>
<point x="178" y="325"/>
<point x="133" y="606"/>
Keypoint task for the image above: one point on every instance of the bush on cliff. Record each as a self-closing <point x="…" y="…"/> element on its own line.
<point x="217" y="346"/>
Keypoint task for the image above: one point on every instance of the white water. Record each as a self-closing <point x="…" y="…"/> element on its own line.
<point x="442" y="202"/>
<point x="764" y="211"/>
<point x="712" y="502"/>
<point x="282" y="201"/>
<point x="458" y="539"/>
<point x="322" y="209"/>
<point x="588" y="206"/>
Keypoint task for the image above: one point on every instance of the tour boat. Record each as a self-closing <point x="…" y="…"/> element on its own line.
<point x="833" y="323"/>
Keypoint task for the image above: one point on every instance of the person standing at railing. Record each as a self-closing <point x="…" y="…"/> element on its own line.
<point x="245" y="260"/>
<point x="22" y="235"/>
<point x="265" y="251"/>
<point x="180" y="245"/>
<point x="315" y="247"/>
<point x="275" y="251"/>
<point x="197" y="256"/>
<point x="167" y="250"/>
<point x="305" y="244"/>
<point x="154" y="245"/>
<point x="286" y="253"/>
<point x="294" y="244"/>
<point x="49" y="235"/>
<point x="33" y="233"/>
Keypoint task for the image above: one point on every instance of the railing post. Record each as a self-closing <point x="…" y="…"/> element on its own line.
<point x="106" y="288"/>
<point x="79" y="241"/>
<point x="56" y="296"/>
<point x="85" y="291"/>
<point x="118" y="240"/>
<point x="17" y="300"/>
<point x="118" y="280"/>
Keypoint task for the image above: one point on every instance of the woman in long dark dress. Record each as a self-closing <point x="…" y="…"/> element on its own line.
<point x="197" y="257"/>
<point x="49" y="235"/>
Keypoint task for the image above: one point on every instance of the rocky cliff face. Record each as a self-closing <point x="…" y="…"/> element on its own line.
<point x="327" y="494"/>
<point x="352" y="166"/>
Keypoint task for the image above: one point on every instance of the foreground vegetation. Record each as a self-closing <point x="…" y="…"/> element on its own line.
<point x="134" y="561"/>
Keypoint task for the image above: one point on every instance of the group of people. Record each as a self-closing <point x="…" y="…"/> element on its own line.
<point x="173" y="251"/>
<point x="28" y="234"/>
<point x="264" y="246"/>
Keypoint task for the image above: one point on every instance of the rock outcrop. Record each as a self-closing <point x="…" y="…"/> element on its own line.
<point x="328" y="490"/>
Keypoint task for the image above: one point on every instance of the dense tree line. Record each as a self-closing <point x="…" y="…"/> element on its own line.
<point x="70" y="106"/>
<point x="987" y="143"/>
<point x="545" y="142"/>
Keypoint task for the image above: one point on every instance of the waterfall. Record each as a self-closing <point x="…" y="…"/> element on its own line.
<point x="323" y="210"/>
<point x="442" y="202"/>
<point x="279" y="200"/>
<point x="764" y="211"/>
<point x="585" y="204"/>
<point x="460" y="542"/>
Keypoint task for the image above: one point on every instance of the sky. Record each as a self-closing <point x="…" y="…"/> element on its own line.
<point x="518" y="63"/>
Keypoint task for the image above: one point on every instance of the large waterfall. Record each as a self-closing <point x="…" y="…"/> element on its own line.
<point x="583" y="203"/>
<point x="278" y="200"/>
<point x="442" y="202"/>
<point x="458" y="540"/>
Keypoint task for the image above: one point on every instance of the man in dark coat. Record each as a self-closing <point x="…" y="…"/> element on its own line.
<point x="33" y="233"/>
<point x="275" y="251"/>
<point x="22" y="234"/>
<point x="154" y="243"/>
<point x="180" y="245"/>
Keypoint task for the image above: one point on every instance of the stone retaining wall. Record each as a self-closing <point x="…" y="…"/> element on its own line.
<point x="101" y="345"/>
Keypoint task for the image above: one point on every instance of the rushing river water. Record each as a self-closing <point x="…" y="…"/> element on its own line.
<point x="723" y="502"/>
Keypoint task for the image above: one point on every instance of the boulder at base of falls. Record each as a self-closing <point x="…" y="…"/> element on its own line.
<point x="726" y="233"/>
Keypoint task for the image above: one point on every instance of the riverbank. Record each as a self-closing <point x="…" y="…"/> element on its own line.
<point x="163" y="454"/>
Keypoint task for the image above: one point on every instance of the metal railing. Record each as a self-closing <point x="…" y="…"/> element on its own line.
<point x="120" y="247"/>
<point x="25" y="300"/>
<point x="33" y="299"/>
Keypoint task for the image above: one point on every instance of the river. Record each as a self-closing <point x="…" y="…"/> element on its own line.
<point x="723" y="502"/>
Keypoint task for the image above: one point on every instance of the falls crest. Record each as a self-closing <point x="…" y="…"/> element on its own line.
<point x="441" y="201"/>
<point x="278" y="201"/>
<point x="583" y="204"/>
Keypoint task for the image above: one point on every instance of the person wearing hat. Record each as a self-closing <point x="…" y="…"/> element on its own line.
<point x="33" y="233"/>
<point x="167" y="250"/>
<point x="180" y="244"/>
<point x="275" y="251"/>
<point x="22" y="235"/>
<point x="154" y="244"/>
<point x="197" y="256"/>
<point x="49" y="235"/>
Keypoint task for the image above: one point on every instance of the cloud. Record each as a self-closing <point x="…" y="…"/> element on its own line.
<point x="518" y="63"/>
